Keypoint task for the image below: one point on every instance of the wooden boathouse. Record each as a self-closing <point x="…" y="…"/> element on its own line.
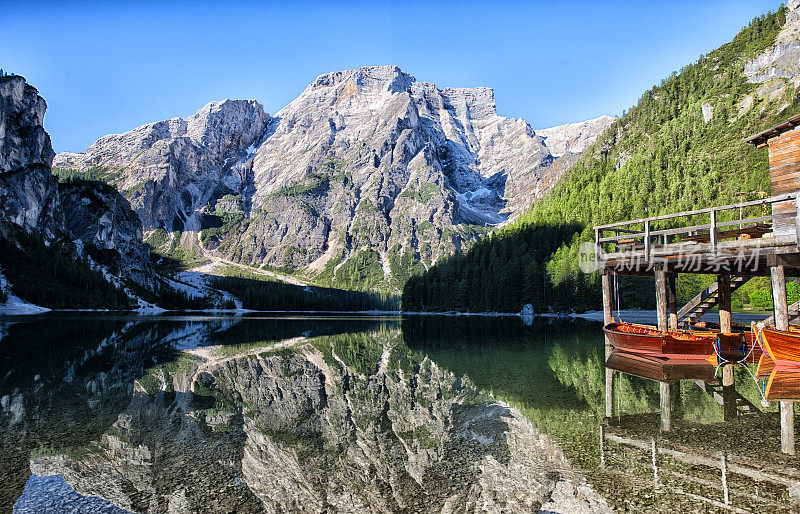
<point x="734" y="242"/>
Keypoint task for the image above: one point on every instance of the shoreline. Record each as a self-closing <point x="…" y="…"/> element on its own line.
<point x="630" y="315"/>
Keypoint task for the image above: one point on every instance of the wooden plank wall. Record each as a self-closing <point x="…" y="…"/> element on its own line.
<point x="784" y="171"/>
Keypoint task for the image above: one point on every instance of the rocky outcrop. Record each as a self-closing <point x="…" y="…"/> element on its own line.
<point x="574" y="138"/>
<point x="98" y="216"/>
<point x="369" y="164"/>
<point x="28" y="191"/>
<point x="92" y="216"/>
<point x="779" y="62"/>
<point x="172" y="168"/>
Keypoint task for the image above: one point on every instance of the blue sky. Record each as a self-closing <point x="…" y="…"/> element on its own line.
<point x="107" y="67"/>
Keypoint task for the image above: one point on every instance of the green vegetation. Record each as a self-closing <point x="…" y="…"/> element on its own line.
<point x="260" y="292"/>
<point x="45" y="276"/>
<point x="95" y="173"/>
<point x="404" y="266"/>
<point x="359" y="352"/>
<point x="171" y="256"/>
<point x="661" y="157"/>
<point x="305" y="185"/>
<point x="217" y="225"/>
<point x="361" y="271"/>
<point x="426" y="191"/>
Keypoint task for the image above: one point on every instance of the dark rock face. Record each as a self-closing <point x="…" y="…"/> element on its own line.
<point x="30" y="196"/>
<point x="96" y="214"/>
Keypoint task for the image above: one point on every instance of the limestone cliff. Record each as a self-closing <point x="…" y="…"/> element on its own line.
<point x="367" y="168"/>
<point x="574" y="138"/>
<point x="28" y="191"/>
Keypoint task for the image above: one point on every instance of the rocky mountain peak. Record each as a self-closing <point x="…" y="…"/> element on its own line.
<point x="367" y="163"/>
<point x="472" y="102"/>
<point x="212" y="125"/>
<point x="365" y="79"/>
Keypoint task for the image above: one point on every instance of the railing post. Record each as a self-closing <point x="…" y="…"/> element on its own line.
<point x="647" y="241"/>
<point x="713" y="232"/>
<point x="598" y="232"/>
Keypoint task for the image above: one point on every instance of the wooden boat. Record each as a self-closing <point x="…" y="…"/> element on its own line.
<point x="645" y="339"/>
<point x="737" y="328"/>
<point x="782" y="347"/>
<point x="783" y="384"/>
<point x="765" y="366"/>
<point x="659" y="368"/>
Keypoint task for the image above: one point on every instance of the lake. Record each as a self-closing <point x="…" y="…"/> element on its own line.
<point x="271" y="413"/>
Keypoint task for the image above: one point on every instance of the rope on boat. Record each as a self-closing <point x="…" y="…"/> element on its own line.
<point x="722" y="362"/>
<point x="616" y="296"/>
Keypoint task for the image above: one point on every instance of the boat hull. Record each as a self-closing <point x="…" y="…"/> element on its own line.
<point x="782" y="347"/>
<point x="646" y="340"/>
<point x="661" y="369"/>
<point x="783" y="384"/>
<point x="738" y="328"/>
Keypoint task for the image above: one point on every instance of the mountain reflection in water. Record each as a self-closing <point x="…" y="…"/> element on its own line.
<point x="231" y="414"/>
<point x="369" y="414"/>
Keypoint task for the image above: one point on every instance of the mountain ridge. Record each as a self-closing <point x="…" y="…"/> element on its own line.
<point x="368" y="169"/>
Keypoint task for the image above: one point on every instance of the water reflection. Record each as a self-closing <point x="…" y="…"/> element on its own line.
<point x="265" y="414"/>
<point x="722" y="449"/>
<point x="283" y="413"/>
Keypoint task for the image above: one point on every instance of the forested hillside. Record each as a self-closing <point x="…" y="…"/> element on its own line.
<point x="662" y="156"/>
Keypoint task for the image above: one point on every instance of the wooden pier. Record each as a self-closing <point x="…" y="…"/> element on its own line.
<point x="735" y="242"/>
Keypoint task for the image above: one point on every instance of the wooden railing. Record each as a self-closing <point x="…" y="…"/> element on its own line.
<point x="639" y="233"/>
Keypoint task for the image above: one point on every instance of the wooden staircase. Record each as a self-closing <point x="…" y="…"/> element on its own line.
<point x="707" y="299"/>
<point x="794" y="312"/>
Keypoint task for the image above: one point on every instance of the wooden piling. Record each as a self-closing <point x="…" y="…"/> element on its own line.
<point x="654" y="460"/>
<point x="602" y="445"/>
<point x="780" y="306"/>
<point x="664" y="393"/>
<point x="725" y="322"/>
<point x="661" y="297"/>
<point x="787" y="427"/>
<point x="672" y="297"/>
<point x="608" y="318"/>
<point x="724" y="467"/>
<point x="781" y="310"/>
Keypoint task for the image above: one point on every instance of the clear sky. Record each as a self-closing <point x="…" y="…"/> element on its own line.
<point x="106" y="67"/>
